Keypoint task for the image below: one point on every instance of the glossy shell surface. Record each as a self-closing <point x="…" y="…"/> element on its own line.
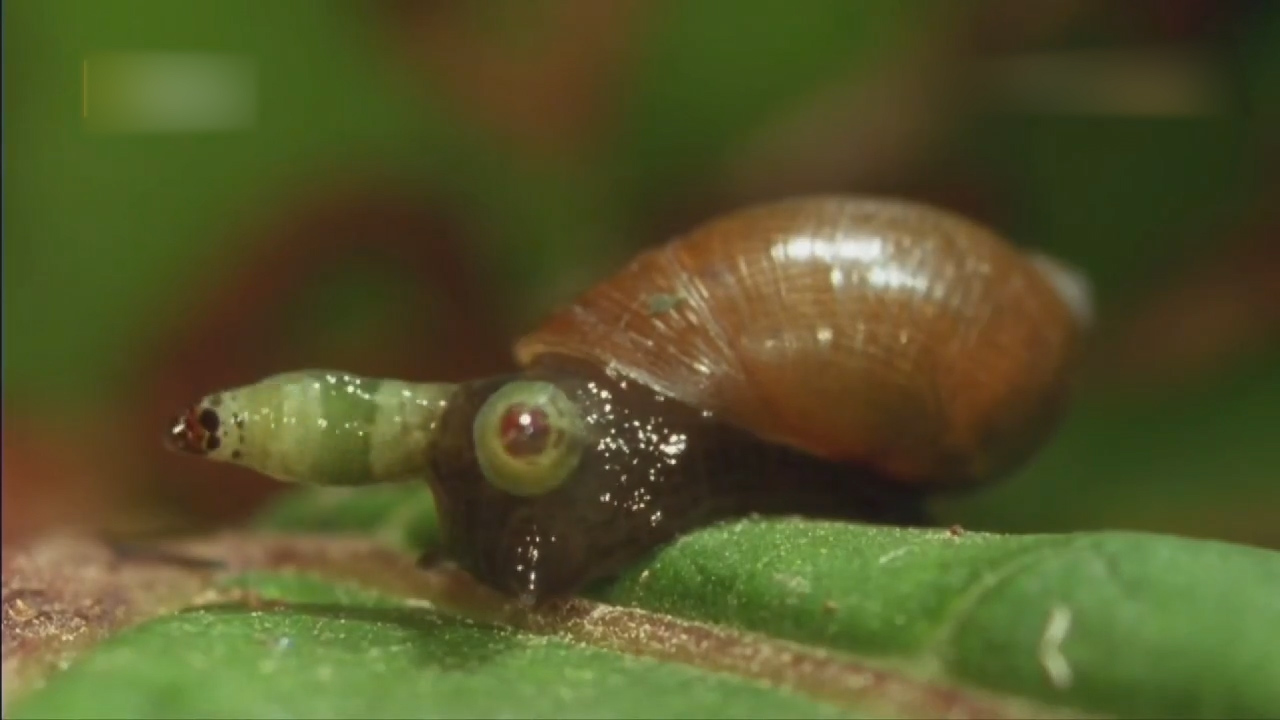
<point x="868" y="330"/>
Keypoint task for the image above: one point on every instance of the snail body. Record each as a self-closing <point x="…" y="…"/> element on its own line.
<point x="828" y="356"/>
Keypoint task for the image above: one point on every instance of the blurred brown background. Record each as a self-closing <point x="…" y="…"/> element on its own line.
<point x="202" y="193"/>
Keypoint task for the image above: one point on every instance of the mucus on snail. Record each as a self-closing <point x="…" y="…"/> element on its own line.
<point x="834" y="357"/>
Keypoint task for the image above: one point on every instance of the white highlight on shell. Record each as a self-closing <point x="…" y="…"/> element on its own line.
<point x="867" y="249"/>
<point x="1071" y="284"/>
<point x="891" y="277"/>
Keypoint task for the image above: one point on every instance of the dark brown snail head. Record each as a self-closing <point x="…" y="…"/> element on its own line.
<point x="564" y="474"/>
<point x="551" y="478"/>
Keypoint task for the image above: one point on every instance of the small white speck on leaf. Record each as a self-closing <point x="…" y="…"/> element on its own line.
<point x="894" y="554"/>
<point x="1055" y="664"/>
<point x="794" y="583"/>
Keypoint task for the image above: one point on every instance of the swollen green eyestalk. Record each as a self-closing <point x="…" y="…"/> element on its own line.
<point x="320" y="427"/>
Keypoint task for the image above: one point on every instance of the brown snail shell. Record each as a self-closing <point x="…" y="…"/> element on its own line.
<point x="875" y="330"/>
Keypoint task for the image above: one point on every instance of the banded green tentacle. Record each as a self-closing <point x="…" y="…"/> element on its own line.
<point x="322" y="427"/>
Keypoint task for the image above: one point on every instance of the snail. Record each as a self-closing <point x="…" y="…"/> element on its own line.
<point x="832" y="357"/>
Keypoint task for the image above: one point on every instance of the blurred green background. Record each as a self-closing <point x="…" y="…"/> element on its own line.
<point x="401" y="188"/>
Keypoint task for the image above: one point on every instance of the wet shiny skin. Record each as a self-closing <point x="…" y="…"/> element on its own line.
<point x="652" y="468"/>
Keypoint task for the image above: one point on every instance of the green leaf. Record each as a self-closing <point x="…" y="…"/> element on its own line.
<point x="748" y="619"/>
<point x="1151" y="626"/>
<point x="337" y="652"/>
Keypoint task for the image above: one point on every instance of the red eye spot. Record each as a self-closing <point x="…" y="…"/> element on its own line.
<point x="526" y="430"/>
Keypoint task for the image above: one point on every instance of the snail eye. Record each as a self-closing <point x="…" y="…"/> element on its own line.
<point x="525" y="430"/>
<point x="528" y="438"/>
